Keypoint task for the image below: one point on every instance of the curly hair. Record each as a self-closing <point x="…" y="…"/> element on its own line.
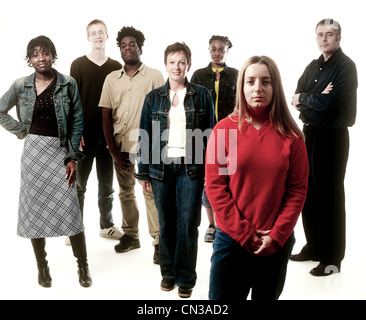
<point x="223" y="39"/>
<point x="43" y="42"/>
<point x="130" y="32"/>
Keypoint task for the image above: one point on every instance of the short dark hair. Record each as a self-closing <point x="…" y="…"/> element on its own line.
<point x="221" y="38"/>
<point x="131" y="32"/>
<point x="43" y="42"/>
<point x="337" y="26"/>
<point x="177" y="47"/>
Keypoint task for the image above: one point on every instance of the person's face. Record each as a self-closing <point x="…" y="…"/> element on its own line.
<point x="218" y="51"/>
<point x="177" y="66"/>
<point x="97" y="35"/>
<point x="327" y="39"/>
<point x="130" y="51"/>
<point x="258" y="90"/>
<point x="41" y="60"/>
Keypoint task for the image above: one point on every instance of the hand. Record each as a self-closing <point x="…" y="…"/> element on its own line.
<point x="82" y="144"/>
<point x="71" y="173"/>
<point x="328" y="89"/>
<point x="295" y="100"/>
<point x="121" y="160"/>
<point x="268" y="247"/>
<point x="145" y="186"/>
<point x="253" y="243"/>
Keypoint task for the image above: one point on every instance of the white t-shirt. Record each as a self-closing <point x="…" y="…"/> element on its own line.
<point x="177" y="126"/>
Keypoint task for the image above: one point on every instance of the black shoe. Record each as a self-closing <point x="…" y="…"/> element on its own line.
<point x="322" y="270"/>
<point x="184" y="293"/>
<point x="156" y="254"/>
<point x="167" y="284"/>
<point x="44" y="277"/>
<point x="304" y="255"/>
<point x="84" y="276"/>
<point x="127" y="243"/>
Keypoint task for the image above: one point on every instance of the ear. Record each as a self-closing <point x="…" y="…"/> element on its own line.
<point x="189" y="67"/>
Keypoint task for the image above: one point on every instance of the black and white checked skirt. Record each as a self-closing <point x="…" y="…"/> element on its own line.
<point x="47" y="206"/>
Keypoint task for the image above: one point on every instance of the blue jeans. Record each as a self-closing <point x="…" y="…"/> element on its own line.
<point x="234" y="271"/>
<point x="178" y="200"/>
<point x="104" y="168"/>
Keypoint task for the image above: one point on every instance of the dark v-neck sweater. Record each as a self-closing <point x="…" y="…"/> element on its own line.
<point x="90" y="78"/>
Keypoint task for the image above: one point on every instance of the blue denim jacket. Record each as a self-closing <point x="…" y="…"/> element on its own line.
<point x="68" y="110"/>
<point x="200" y="115"/>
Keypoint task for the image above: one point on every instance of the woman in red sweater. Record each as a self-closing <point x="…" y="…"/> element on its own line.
<point x="256" y="181"/>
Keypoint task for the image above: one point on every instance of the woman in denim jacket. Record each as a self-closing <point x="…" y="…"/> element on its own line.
<point x="50" y="119"/>
<point x="172" y="161"/>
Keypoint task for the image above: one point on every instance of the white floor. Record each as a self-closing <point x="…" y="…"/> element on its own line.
<point x="133" y="276"/>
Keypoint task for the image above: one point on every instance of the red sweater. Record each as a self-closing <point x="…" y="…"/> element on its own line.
<point x="255" y="180"/>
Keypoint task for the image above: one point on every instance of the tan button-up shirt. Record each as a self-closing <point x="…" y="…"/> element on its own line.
<point x="125" y="95"/>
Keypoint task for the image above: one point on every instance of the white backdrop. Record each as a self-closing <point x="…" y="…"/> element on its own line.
<point x="283" y="30"/>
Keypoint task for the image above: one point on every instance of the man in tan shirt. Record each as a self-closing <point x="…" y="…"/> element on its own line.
<point x="121" y="101"/>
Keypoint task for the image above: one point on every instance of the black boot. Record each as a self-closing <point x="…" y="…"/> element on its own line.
<point x="44" y="277"/>
<point x="79" y="249"/>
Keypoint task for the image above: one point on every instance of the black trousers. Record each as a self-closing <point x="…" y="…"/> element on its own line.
<point x="324" y="211"/>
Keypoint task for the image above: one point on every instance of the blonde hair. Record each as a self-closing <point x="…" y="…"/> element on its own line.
<point x="278" y="111"/>
<point x="93" y="22"/>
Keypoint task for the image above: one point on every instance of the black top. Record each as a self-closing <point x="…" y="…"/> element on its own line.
<point x="44" y="122"/>
<point x="337" y="109"/>
<point x="90" y="78"/>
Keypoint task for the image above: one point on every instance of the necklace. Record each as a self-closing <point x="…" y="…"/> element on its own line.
<point x="217" y="75"/>
<point x="42" y="85"/>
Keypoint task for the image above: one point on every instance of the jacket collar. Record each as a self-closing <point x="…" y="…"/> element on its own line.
<point x="61" y="80"/>
<point x="164" y="91"/>
<point x="208" y="69"/>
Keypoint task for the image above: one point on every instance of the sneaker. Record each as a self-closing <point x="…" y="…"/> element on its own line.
<point x="67" y="241"/>
<point x="127" y="243"/>
<point x="113" y="233"/>
<point x="156" y="254"/>
<point x="184" y="293"/>
<point x="210" y="233"/>
<point x="167" y="284"/>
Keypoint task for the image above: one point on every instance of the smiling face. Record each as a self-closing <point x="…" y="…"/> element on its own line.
<point x="41" y="60"/>
<point x="97" y="35"/>
<point x="258" y="89"/>
<point x="176" y="66"/>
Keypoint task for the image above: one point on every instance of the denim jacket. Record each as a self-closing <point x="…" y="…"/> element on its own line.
<point x="199" y="113"/>
<point x="68" y="110"/>
<point x="227" y="88"/>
